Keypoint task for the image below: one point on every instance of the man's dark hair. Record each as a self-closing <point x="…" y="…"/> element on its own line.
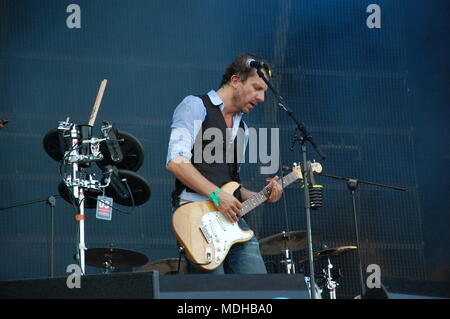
<point x="239" y="67"/>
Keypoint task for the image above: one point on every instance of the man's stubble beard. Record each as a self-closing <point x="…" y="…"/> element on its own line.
<point x="237" y="102"/>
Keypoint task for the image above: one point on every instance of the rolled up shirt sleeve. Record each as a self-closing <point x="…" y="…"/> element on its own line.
<point x="186" y="122"/>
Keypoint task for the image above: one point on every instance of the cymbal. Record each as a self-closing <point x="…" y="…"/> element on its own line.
<point x="167" y="266"/>
<point x="138" y="186"/>
<point x="132" y="150"/>
<point x="328" y="252"/>
<point x="116" y="258"/>
<point x="293" y="240"/>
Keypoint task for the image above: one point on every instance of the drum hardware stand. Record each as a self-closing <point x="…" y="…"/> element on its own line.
<point x="304" y="137"/>
<point x="330" y="283"/>
<point x="287" y="262"/>
<point x="352" y="185"/>
<point x="78" y="181"/>
<point x="108" y="266"/>
<point x="77" y="148"/>
<point x="290" y="265"/>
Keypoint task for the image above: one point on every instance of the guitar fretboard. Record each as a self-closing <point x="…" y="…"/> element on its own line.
<point x="262" y="196"/>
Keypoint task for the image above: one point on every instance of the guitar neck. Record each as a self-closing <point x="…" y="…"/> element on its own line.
<point x="262" y="196"/>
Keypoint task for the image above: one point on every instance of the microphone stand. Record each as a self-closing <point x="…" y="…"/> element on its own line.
<point x="352" y="185"/>
<point x="304" y="137"/>
<point x="51" y="201"/>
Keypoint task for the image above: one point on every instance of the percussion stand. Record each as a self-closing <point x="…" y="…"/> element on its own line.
<point x="108" y="266"/>
<point x="78" y="193"/>
<point x="290" y="266"/>
<point x="304" y="137"/>
<point x="77" y="181"/>
<point x="288" y="263"/>
<point x="331" y="284"/>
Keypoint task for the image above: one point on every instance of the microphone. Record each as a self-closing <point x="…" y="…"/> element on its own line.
<point x="251" y="63"/>
<point x="113" y="173"/>
<point x="110" y="133"/>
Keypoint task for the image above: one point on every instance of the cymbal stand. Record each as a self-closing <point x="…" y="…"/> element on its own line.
<point x="287" y="262"/>
<point x="331" y="284"/>
<point x="108" y="264"/>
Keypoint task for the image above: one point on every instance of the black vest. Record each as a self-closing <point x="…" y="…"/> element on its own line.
<point x="217" y="173"/>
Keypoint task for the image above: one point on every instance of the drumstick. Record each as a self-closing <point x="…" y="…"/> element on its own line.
<point x="98" y="100"/>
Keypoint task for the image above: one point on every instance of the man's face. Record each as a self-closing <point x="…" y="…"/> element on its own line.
<point x="249" y="93"/>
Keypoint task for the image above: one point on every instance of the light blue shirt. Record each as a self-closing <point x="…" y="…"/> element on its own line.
<point x="184" y="131"/>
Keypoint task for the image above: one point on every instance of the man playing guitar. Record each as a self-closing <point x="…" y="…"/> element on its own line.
<point x="199" y="180"/>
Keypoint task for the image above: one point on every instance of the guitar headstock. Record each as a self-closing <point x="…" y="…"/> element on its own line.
<point x="315" y="167"/>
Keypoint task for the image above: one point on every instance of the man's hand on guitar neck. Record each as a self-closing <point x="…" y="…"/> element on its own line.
<point x="229" y="206"/>
<point x="275" y="190"/>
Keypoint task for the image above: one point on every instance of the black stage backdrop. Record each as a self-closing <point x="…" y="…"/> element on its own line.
<point x="375" y="99"/>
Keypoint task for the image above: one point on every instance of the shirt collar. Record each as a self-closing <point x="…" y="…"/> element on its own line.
<point x="217" y="101"/>
<point x="215" y="98"/>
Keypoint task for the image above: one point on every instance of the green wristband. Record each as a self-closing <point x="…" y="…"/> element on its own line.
<point x="214" y="197"/>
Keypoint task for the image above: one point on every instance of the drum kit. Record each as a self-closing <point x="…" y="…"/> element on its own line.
<point x="285" y="243"/>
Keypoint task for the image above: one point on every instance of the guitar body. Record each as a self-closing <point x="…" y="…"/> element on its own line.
<point x="205" y="233"/>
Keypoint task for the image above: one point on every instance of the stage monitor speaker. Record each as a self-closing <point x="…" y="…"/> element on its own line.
<point x="267" y="286"/>
<point x="410" y="288"/>
<point x="139" y="285"/>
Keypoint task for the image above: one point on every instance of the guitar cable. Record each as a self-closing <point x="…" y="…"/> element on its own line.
<point x="181" y="251"/>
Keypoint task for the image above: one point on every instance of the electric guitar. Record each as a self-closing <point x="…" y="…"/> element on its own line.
<point x="207" y="235"/>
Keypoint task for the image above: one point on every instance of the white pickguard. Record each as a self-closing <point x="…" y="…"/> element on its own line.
<point x="221" y="233"/>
